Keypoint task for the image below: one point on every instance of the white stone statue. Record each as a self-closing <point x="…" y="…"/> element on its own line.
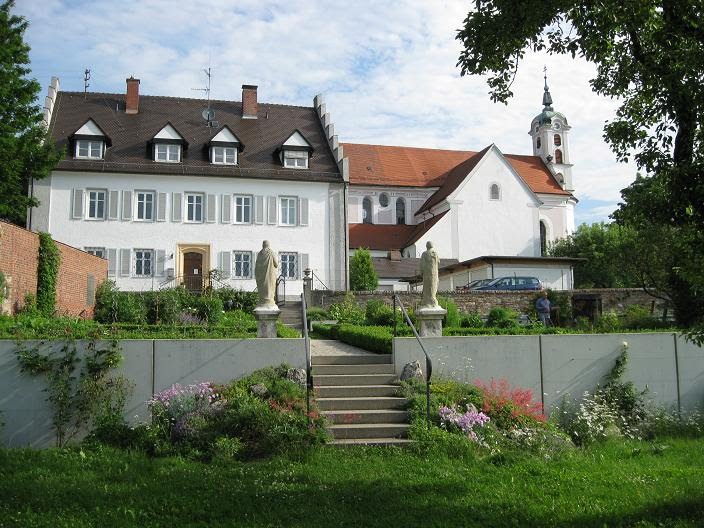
<point x="429" y="262"/>
<point x="265" y="271"/>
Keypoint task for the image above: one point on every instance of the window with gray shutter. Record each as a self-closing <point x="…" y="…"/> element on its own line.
<point x="210" y="208"/>
<point x="112" y="262"/>
<point x="258" y="209"/>
<point x="127" y="205"/>
<point x="90" y="291"/>
<point x="125" y="261"/>
<point x="225" y="264"/>
<point x="77" y="206"/>
<point x="226" y="209"/>
<point x="160" y="258"/>
<point x="113" y="210"/>
<point x="303" y="266"/>
<point x="271" y="210"/>
<point x="303" y="212"/>
<point x="161" y="207"/>
<point x="176" y="207"/>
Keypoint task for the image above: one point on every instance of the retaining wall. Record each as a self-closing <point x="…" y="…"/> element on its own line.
<point x="150" y="365"/>
<point x="557" y="366"/>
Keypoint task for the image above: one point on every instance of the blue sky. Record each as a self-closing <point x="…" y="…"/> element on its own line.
<point x="387" y="70"/>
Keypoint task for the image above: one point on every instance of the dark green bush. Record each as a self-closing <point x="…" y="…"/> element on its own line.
<point x="114" y="306"/>
<point x="327" y="331"/>
<point x="209" y="309"/>
<point x="502" y="318"/>
<point x="372" y="338"/>
<point x="233" y="299"/>
<point x="286" y="331"/>
<point x="472" y="320"/>
<point x="163" y="306"/>
<point x="452" y="317"/>
<point x="317" y="314"/>
<point x="638" y="317"/>
<point x="378" y="313"/>
<point x="347" y="311"/>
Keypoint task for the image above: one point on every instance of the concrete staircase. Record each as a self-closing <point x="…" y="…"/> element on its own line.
<point x="291" y="315"/>
<point x="356" y="393"/>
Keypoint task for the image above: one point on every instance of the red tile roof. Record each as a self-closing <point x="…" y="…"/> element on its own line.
<point x="423" y="167"/>
<point x="386" y="237"/>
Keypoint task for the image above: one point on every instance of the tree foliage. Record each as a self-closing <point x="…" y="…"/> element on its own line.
<point x="362" y="274"/>
<point x="649" y="55"/>
<point x="23" y="152"/>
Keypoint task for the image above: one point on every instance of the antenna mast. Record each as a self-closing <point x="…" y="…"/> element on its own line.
<point x="208" y="113"/>
<point x="86" y="84"/>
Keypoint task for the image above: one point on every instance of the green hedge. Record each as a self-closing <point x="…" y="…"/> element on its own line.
<point x="372" y="338"/>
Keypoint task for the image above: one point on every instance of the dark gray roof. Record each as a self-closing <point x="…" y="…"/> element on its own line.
<point x="131" y="135"/>
<point x="401" y="269"/>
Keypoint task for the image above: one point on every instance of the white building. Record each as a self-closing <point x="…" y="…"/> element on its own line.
<point x="168" y="189"/>
<point x="469" y="204"/>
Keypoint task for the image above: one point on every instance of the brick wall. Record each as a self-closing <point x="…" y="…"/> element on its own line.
<point x="79" y="274"/>
<point x="483" y="301"/>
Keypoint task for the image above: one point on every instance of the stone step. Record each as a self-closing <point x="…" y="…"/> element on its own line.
<point x="347" y="391"/>
<point x="366" y="416"/>
<point x="322" y="370"/>
<point x="351" y="442"/>
<point x="374" y="430"/>
<point x="351" y="359"/>
<point x="375" y="402"/>
<point x="353" y="379"/>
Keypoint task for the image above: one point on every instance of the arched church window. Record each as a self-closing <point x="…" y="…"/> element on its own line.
<point x="537" y="143"/>
<point x="494" y="192"/>
<point x="543" y="239"/>
<point x="558" y="140"/>
<point x="558" y="156"/>
<point x="400" y="211"/>
<point x="367" y="211"/>
<point x="384" y="200"/>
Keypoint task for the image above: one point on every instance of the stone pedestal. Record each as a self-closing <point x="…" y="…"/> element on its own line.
<point x="430" y="321"/>
<point x="266" y="317"/>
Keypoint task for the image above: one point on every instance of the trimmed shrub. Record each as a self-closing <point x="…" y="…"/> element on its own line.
<point x="327" y="331"/>
<point x="372" y="338"/>
<point x="317" y="314"/>
<point x="347" y="311"/>
<point x="378" y="313"/>
<point x="472" y="320"/>
<point x="502" y="318"/>
<point x="286" y="331"/>
<point x="362" y="274"/>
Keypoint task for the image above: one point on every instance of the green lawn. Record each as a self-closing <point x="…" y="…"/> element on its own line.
<point x="617" y="484"/>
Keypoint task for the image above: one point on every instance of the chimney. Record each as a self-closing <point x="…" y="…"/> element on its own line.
<point x="249" y="101"/>
<point x="132" y="98"/>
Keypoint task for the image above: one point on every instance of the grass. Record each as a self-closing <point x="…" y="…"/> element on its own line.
<point x="614" y="484"/>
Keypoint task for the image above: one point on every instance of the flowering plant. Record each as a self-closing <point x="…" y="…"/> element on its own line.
<point x="177" y="409"/>
<point x="465" y="422"/>
<point x="509" y="406"/>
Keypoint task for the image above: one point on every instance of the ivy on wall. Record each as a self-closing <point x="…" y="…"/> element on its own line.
<point x="48" y="262"/>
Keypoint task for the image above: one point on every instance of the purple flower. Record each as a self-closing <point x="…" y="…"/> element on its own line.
<point x="465" y="422"/>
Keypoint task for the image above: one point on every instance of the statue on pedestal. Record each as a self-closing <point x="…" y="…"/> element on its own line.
<point x="429" y="262"/>
<point x="265" y="272"/>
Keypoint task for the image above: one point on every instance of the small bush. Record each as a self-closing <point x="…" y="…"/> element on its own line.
<point x="347" y="311"/>
<point x="286" y="331"/>
<point x="163" y="306"/>
<point x="317" y="314"/>
<point x="326" y="331"/>
<point x="378" y="313"/>
<point x="608" y="322"/>
<point x="29" y="307"/>
<point x="233" y="299"/>
<point x="472" y="320"/>
<point x="372" y="338"/>
<point x="114" y="306"/>
<point x="509" y="406"/>
<point x="638" y="317"/>
<point x="452" y="317"/>
<point x="209" y="308"/>
<point x="502" y="318"/>
<point x="362" y="273"/>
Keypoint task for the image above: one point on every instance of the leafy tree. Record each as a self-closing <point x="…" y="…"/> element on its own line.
<point x="650" y="55"/>
<point x="362" y="273"/>
<point x="23" y="152"/>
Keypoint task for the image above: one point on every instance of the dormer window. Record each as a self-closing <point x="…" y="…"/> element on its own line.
<point x="89" y="141"/>
<point x="295" y="152"/>
<point x="224" y="147"/>
<point x="168" y="145"/>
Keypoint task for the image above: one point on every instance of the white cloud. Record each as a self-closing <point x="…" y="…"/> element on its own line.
<point x="388" y="70"/>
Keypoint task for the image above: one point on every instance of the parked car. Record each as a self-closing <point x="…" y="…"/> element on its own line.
<point x="474" y="284"/>
<point x="512" y="284"/>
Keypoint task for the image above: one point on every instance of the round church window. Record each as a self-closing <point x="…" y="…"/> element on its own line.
<point x="384" y="200"/>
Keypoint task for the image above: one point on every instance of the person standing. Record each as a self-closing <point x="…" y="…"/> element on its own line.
<point x="542" y="306"/>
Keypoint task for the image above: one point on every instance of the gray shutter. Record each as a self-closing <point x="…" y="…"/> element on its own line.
<point x="127" y="205"/>
<point x="113" y="210"/>
<point x="303" y="260"/>
<point x="258" y="209"/>
<point x="226" y="211"/>
<point x="271" y="210"/>
<point x="210" y="208"/>
<point x="176" y="207"/>
<point x="77" y="206"/>
<point x="90" y="290"/>
<point x="353" y="210"/>
<point x="225" y="264"/>
<point x="160" y="258"/>
<point x="303" y="211"/>
<point x="161" y="207"/>
<point x="112" y="262"/>
<point x="252" y="256"/>
<point x="125" y="261"/>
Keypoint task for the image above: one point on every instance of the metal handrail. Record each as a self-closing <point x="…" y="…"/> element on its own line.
<point x="428" y="361"/>
<point x="309" y="363"/>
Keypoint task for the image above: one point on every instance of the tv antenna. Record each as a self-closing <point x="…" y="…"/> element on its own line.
<point x="86" y="84"/>
<point x="208" y="113"/>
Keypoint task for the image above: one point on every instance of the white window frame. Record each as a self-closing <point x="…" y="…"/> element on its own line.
<point x="144" y="194"/>
<point x="491" y="196"/>
<point x="292" y="202"/>
<point x="223" y="153"/>
<point x="168" y="150"/>
<point x="142" y="256"/>
<point x="89" y="194"/>
<point x="96" y="251"/>
<point x="285" y="267"/>
<point x="244" y="257"/>
<point x="243" y="209"/>
<point x="295" y="159"/>
<point x="94" y="148"/>
<point x="195" y="197"/>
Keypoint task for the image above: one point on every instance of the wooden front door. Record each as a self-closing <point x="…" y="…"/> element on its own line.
<point x="193" y="271"/>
